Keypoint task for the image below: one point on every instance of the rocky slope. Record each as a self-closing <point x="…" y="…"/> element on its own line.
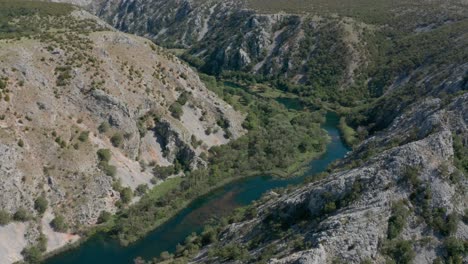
<point x="399" y="196"/>
<point x="73" y="86"/>
<point x="323" y="44"/>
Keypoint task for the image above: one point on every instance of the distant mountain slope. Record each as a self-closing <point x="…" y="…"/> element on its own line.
<point x="308" y="47"/>
<point x="86" y="112"/>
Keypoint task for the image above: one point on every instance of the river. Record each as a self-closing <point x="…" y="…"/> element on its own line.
<point x="220" y="202"/>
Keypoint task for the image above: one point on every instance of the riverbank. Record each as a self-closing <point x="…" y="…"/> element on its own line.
<point x="219" y="201"/>
<point x="107" y="228"/>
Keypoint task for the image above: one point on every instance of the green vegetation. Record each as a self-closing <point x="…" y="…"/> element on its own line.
<point x="230" y="252"/>
<point x="400" y="251"/>
<point x="461" y="153"/>
<point x="456" y="250"/>
<point x="126" y="195"/>
<point x="440" y="221"/>
<point x="183" y="98"/>
<point x="117" y="139"/>
<point x="21" y="215"/>
<point x="30" y="11"/>
<point x="5" y="218"/>
<point x="40" y="204"/>
<point x="83" y="137"/>
<point x="104" y="127"/>
<point x="104" y="155"/>
<point x="33" y="253"/>
<point x="141" y="189"/>
<point x="348" y="133"/>
<point x="397" y="221"/>
<point x="109" y="170"/>
<point x="59" y="224"/>
<point x="104" y="217"/>
<point x="176" y="110"/>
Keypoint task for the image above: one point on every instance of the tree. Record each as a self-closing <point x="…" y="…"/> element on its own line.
<point x="40" y="204"/>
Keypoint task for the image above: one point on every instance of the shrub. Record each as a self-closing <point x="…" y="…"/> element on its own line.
<point x="208" y="236"/>
<point x="32" y="255"/>
<point x="58" y="224"/>
<point x="117" y="140"/>
<point x="21" y="215"/>
<point x="455" y="248"/>
<point x="231" y="252"/>
<point x="103" y="127"/>
<point x="108" y="169"/>
<point x="445" y="224"/>
<point x="21" y="143"/>
<point x="165" y="256"/>
<point x="183" y="98"/>
<point x="40" y="204"/>
<point x="329" y="207"/>
<point x="163" y="172"/>
<point x="410" y="175"/>
<point x="42" y="243"/>
<point x="5" y="217"/>
<point x="401" y="251"/>
<point x="104" y="155"/>
<point x="83" y="136"/>
<point x="141" y="189"/>
<point x="104" y="217"/>
<point x="126" y="195"/>
<point x="176" y="110"/>
<point x="397" y="221"/>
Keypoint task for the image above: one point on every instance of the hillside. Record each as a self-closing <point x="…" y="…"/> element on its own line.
<point x="396" y="71"/>
<point x="307" y="47"/>
<point x="89" y="115"/>
<point x="400" y="197"/>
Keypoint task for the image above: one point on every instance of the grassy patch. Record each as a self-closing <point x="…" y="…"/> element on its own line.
<point x="162" y="189"/>
<point x="348" y="133"/>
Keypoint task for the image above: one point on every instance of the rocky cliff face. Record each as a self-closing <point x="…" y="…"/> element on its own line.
<point x="401" y="195"/>
<point x="318" y="43"/>
<point x="77" y="86"/>
<point x="231" y="36"/>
